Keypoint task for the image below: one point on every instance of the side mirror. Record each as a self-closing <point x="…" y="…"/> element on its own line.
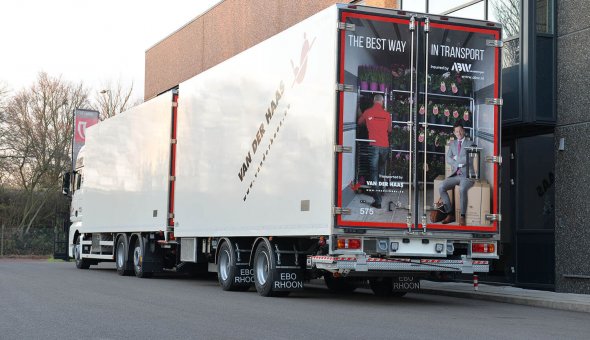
<point x="65" y="188"/>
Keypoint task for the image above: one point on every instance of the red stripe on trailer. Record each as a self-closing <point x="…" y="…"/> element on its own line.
<point x="172" y="160"/>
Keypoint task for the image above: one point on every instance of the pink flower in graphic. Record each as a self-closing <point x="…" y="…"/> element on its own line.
<point x="447" y="113"/>
<point x="454" y="88"/>
<point x="435" y="110"/>
<point x="455" y="114"/>
<point x="443" y="87"/>
<point x="466" y="115"/>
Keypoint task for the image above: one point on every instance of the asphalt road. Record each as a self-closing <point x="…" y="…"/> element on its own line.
<point x="42" y="300"/>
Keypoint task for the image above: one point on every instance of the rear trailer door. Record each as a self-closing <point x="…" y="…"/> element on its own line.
<point x="412" y="79"/>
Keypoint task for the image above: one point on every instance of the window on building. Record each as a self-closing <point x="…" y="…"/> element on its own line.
<point x="506" y="12"/>
<point x="473" y="11"/>
<point x="414" y="5"/>
<point x="545" y="16"/>
<point x="447" y="6"/>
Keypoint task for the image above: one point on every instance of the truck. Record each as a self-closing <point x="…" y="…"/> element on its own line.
<point x="260" y="169"/>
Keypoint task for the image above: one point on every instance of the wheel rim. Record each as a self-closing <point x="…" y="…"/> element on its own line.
<point x="224" y="264"/>
<point x="137" y="258"/>
<point x="77" y="252"/>
<point x="121" y="255"/>
<point x="262" y="268"/>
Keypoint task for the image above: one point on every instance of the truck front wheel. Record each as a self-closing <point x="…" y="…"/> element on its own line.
<point x="227" y="270"/>
<point x="80" y="262"/>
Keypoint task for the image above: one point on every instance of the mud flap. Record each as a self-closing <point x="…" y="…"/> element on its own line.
<point x="152" y="257"/>
<point x="244" y="274"/>
<point x="406" y="283"/>
<point x="288" y="279"/>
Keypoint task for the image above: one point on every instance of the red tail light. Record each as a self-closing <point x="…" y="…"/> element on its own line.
<point x="349" y="243"/>
<point x="483" y="247"/>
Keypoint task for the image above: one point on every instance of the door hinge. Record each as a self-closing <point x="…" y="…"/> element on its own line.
<point x="170" y="215"/>
<point x="173" y="141"/>
<point x="494" y="101"/>
<point x="172" y="178"/>
<point x="413" y="23"/>
<point x="344" y="88"/>
<point x="494" y="43"/>
<point x="174" y="104"/>
<point x="342" y="149"/>
<point x="346" y="26"/>
<point x="494" y="159"/>
<point x="494" y="217"/>
<point x="340" y="211"/>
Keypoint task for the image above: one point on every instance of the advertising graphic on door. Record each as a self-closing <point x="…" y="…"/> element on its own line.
<point x="422" y="124"/>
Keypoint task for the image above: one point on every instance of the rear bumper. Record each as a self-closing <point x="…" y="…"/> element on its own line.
<point x="360" y="263"/>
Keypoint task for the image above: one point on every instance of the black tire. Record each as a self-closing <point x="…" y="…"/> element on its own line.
<point x="227" y="271"/>
<point x="121" y="256"/>
<point x="264" y="266"/>
<point x="339" y="284"/>
<point x="399" y="294"/>
<point x="138" y="256"/>
<point x="80" y="262"/>
<point x="383" y="286"/>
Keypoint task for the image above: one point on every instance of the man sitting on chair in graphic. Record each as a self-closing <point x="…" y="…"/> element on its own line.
<point x="457" y="158"/>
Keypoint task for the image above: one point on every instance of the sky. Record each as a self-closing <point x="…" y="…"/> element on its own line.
<point x="94" y="42"/>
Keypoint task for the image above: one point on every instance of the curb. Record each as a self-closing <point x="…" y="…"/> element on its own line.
<point x="520" y="300"/>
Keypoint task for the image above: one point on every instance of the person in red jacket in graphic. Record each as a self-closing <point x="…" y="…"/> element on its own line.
<point x="378" y="122"/>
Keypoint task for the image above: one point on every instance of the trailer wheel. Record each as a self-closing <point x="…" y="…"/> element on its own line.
<point x="121" y="257"/>
<point x="339" y="284"/>
<point x="80" y="262"/>
<point x="383" y="286"/>
<point x="138" y="256"/>
<point x="263" y="271"/>
<point x="227" y="270"/>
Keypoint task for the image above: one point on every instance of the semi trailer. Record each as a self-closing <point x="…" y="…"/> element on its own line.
<point x="262" y="169"/>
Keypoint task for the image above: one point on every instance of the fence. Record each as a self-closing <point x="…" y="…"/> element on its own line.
<point x="38" y="241"/>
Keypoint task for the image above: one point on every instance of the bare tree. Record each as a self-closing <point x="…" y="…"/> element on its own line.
<point x="35" y="134"/>
<point x="507" y="12"/>
<point x="114" y="99"/>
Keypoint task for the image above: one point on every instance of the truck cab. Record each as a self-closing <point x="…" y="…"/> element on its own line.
<point x="72" y="186"/>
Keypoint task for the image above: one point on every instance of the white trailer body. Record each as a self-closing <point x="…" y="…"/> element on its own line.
<point x="263" y="169"/>
<point x="126" y="167"/>
<point x="256" y="136"/>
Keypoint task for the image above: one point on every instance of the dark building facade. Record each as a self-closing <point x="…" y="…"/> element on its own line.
<point x="572" y="158"/>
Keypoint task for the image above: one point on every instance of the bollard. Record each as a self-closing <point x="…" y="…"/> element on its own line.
<point x="475" y="283"/>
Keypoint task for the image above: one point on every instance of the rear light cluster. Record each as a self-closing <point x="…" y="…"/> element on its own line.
<point x="349" y="243"/>
<point x="485" y="248"/>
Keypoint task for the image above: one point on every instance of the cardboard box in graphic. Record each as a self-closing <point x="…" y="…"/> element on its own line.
<point x="478" y="203"/>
